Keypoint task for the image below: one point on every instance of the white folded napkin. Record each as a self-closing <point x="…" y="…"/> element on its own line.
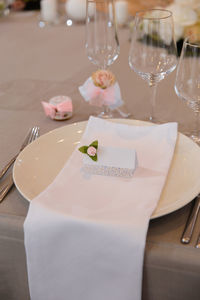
<point x="85" y="235"/>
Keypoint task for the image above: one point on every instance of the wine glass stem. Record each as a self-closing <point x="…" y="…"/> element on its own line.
<point x="106" y="113"/>
<point x="153" y="87"/>
<point x="106" y="109"/>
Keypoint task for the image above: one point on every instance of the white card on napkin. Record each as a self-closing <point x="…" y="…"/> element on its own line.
<point x="120" y="162"/>
<point x="85" y="236"/>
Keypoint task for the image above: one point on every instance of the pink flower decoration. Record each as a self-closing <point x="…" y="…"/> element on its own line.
<point x="103" y="78"/>
<point x="91" y="151"/>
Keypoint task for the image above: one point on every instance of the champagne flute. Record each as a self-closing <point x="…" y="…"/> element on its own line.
<point x="153" y="53"/>
<point x="187" y="83"/>
<point x="102" y="45"/>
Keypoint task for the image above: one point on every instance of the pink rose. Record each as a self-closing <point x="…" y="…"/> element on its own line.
<point x="103" y="78"/>
<point x="91" y="151"/>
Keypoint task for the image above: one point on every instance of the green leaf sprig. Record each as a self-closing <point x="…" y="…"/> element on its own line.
<point x="84" y="149"/>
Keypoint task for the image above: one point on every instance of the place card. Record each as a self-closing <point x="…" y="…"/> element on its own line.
<point x="120" y="162"/>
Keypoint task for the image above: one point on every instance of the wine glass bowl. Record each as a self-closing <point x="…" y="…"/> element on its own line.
<point x="153" y="53"/>
<point x="187" y="82"/>
<point x="102" y="44"/>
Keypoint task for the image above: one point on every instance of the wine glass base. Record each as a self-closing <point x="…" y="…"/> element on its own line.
<point x="105" y="115"/>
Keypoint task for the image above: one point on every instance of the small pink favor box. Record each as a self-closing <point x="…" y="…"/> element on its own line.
<point x="58" y="108"/>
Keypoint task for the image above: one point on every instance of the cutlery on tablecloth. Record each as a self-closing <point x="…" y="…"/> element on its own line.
<point x="32" y="131"/>
<point x="198" y="242"/>
<point x="8" y="182"/>
<point x="187" y="234"/>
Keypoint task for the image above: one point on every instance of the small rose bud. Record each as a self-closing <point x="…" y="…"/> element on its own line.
<point x="91" y="151"/>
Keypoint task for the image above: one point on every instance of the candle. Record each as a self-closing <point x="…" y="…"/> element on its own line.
<point x="76" y="9"/>
<point x="121" y="12"/>
<point x="49" y="10"/>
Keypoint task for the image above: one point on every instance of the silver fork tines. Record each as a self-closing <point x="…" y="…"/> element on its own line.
<point x="34" y="134"/>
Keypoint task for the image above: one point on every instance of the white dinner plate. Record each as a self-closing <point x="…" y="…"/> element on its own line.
<point x="39" y="163"/>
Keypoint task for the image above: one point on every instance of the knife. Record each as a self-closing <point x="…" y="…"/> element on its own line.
<point x="198" y="242"/>
<point x="6" y="186"/>
<point x="187" y="234"/>
<point x="8" y="182"/>
<point x="31" y="134"/>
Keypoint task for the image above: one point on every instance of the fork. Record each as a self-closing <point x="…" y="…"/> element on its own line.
<point x="8" y="182"/>
<point x="33" y="131"/>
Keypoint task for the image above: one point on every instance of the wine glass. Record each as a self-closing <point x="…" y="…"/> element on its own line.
<point x="102" y="45"/>
<point x="153" y="53"/>
<point x="187" y="83"/>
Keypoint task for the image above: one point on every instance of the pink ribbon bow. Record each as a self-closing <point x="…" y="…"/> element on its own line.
<point x="100" y="96"/>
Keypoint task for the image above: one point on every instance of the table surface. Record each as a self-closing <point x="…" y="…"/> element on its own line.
<point x="37" y="64"/>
